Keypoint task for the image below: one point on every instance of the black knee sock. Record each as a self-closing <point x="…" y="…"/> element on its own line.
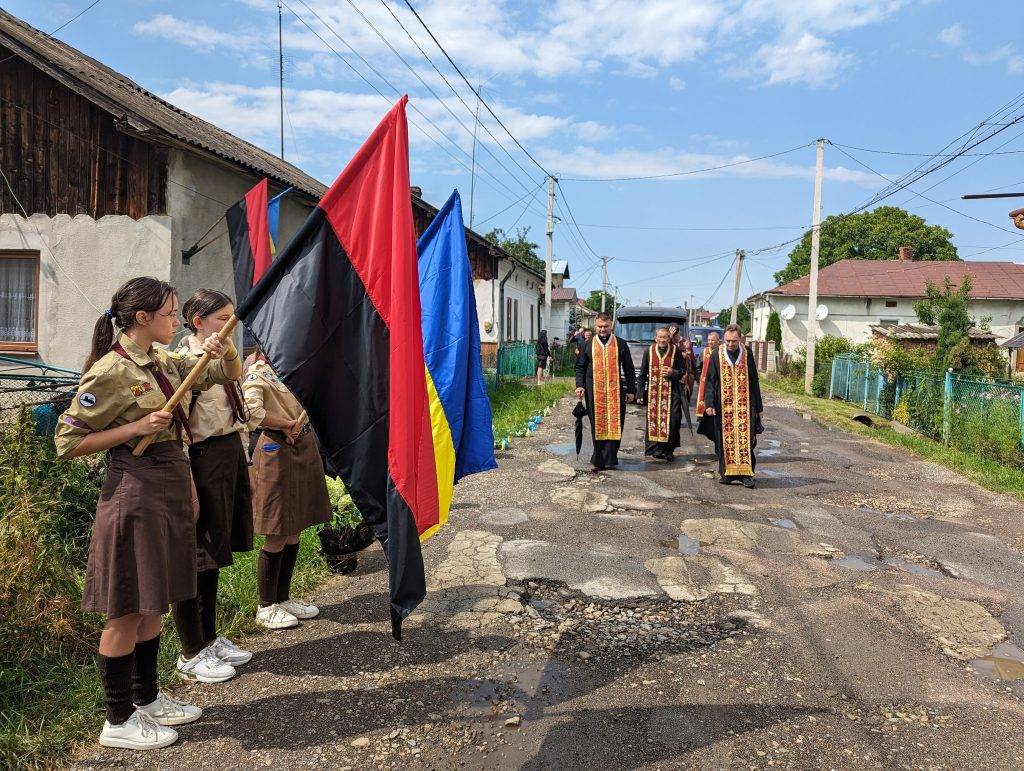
<point x="116" y="672"/>
<point x="268" y="573"/>
<point x="284" y="584"/>
<point x="208" y="581"/>
<point x="189" y="626"/>
<point x="144" y="684"/>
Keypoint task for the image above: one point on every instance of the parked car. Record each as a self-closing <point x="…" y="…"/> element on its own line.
<point x="699" y="338"/>
<point x="637" y="325"/>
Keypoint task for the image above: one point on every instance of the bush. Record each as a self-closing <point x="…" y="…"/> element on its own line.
<point x="820" y="384"/>
<point x="49" y="689"/>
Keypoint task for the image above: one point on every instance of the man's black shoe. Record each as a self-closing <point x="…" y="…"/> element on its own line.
<point x="748" y="482"/>
<point x="724" y="481"/>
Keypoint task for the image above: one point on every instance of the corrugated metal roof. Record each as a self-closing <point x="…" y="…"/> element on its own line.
<point x="924" y="332"/>
<point x="1017" y="341"/>
<point x="140" y="111"/>
<point x="902" y="278"/>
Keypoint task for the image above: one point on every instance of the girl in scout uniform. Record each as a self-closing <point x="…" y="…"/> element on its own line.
<point x="220" y="470"/>
<point x="289" y="491"/>
<point x="142" y="556"/>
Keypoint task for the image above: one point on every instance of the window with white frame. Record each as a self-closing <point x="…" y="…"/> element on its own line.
<point x="19" y="300"/>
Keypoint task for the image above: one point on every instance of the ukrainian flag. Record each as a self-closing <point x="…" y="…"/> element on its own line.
<point x="274" y="217"/>
<point x="460" y="412"/>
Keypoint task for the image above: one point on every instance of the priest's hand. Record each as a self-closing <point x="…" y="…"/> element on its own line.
<point x="579" y="393"/>
<point x="666" y="371"/>
<point x="709" y="411"/>
<point x="630" y="398"/>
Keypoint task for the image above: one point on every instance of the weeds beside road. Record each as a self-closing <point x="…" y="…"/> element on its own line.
<point x="988" y="473"/>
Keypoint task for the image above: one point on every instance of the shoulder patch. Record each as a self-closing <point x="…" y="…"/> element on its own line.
<point x="179" y="355"/>
<point x="87" y="399"/>
<point x="73" y="421"/>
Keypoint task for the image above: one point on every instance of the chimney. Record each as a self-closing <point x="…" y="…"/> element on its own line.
<point x="416" y="190"/>
<point x="906" y="254"/>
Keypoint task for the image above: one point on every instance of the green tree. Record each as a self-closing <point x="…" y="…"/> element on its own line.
<point x="947" y="307"/>
<point x="872" y="235"/>
<point x="519" y="246"/>
<point x="594" y="301"/>
<point x="742" y="317"/>
<point x="774" y="330"/>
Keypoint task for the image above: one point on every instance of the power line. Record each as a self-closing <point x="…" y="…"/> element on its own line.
<point x="931" y="200"/>
<point x="692" y="229"/>
<point x="77" y="16"/>
<point x="475" y="92"/>
<point x="450" y="86"/>
<point x="707" y="302"/>
<point x="925" y="155"/>
<point x="427" y="86"/>
<point x="514" y="203"/>
<point x="689" y="171"/>
<point x="362" y="77"/>
<point x="572" y="217"/>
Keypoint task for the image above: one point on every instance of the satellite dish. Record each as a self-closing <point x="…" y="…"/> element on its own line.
<point x="788" y="312"/>
<point x="822" y="313"/>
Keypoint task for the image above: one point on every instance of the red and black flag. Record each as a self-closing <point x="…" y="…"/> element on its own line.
<point x="338" y="315"/>
<point x="249" y="233"/>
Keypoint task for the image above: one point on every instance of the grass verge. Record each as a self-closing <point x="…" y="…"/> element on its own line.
<point x="990" y="474"/>
<point x="513" y="402"/>
<point x="50" y="693"/>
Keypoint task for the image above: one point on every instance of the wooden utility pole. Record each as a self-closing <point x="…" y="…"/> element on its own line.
<point x="812" y="295"/>
<point x="604" y="282"/>
<point x="740" y="255"/>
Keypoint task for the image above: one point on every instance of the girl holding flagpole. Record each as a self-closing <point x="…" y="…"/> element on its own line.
<point x="220" y="470"/>
<point x="289" y="491"/>
<point x="142" y="554"/>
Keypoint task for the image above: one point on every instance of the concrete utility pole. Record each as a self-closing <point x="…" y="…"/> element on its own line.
<point x="615" y="305"/>
<point x="740" y="255"/>
<point x="604" y="282"/>
<point x="551" y="254"/>
<point x="280" y="71"/>
<point x="812" y="296"/>
<point x="472" y="171"/>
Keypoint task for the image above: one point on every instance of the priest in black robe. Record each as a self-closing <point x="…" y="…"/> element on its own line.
<point x="606" y="378"/>
<point x="734" y="404"/>
<point x="705" y="423"/>
<point x="660" y="387"/>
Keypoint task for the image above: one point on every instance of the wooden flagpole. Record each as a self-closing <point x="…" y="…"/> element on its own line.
<point x="187" y="383"/>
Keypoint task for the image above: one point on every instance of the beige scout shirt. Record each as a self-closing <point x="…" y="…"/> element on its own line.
<point x="117" y="391"/>
<point x="211" y="413"/>
<point x="264" y="392"/>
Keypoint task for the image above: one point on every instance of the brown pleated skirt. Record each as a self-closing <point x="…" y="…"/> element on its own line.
<point x="289" y="492"/>
<point x="142" y="556"/>
<point x="220" y="470"/>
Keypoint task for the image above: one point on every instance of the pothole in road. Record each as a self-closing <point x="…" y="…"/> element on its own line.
<point x="786" y="523"/>
<point x="913" y="564"/>
<point x="561" y="448"/>
<point x="586" y="629"/>
<point x="1006" y="662"/>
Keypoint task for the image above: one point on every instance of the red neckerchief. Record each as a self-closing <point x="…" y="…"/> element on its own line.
<point x="181" y="422"/>
<point x="235" y="401"/>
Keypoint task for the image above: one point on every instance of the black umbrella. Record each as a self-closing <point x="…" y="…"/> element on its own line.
<point x="578" y="412"/>
<point x="686" y="411"/>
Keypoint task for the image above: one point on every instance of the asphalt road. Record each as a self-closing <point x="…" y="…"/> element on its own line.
<point x="859" y="609"/>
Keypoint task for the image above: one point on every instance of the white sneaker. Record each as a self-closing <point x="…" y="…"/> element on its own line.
<point x="139" y="732"/>
<point x="227" y="651"/>
<point x="205" y="667"/>
<point x="300" y="609"/>
<point x="275" y="617"/>
<point x="167" y="711"/>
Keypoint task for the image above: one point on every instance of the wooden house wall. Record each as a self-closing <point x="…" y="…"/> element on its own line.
<point x="481" y="260"/>
<point x="64" y="155"/>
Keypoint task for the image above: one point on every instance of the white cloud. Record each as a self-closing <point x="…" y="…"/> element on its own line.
<point x="1007" y="55"/>
<point x="952" y="36"/>
<point x="808" y="60"/>
<point x="194" y="35"/>
<point x="676" y="83"/>
<point x="822" y="16"/>
<point x="590" y="162"/>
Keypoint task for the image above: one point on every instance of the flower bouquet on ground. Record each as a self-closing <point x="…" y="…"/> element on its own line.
<point x="346" y="534"/>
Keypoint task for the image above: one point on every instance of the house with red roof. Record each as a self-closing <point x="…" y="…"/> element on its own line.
<point x="855" y="295"/>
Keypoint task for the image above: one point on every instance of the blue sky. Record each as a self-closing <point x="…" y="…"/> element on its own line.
<point x="610" y="88"/>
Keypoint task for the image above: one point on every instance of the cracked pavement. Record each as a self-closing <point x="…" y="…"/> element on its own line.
<point x="860" y="609"/>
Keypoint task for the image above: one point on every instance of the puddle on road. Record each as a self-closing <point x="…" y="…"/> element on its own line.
<point x="853" y="562"/>
<point x="767" y="453"/>
<point x="561" y="449"/>
<point x="786" y="523"/>
<point x="897" y="515"/>
<point x="913" y="567"/>
<point x="1006" y="662"/>
<point x="633" y="464"/>
<point x="687" y="546"/>
<point x="774" y="443"/>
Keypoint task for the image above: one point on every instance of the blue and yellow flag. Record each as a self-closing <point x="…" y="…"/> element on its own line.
<point x="274" y="217"/>
<point x="460" y="412"/>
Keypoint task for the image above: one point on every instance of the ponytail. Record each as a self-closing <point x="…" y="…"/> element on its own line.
<point x="138" y="294"/>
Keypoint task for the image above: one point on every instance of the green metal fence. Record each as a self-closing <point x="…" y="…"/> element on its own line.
<point x="980" y="415"/>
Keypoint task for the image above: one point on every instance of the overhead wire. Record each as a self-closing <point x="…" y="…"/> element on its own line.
<point x="689" y="171"/>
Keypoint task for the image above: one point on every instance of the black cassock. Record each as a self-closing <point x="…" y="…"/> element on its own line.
<point x="713" y="398"/>
<point x="606" y="451"/>
<point x="705" y="423"/>
<point x="675" y="420"/>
